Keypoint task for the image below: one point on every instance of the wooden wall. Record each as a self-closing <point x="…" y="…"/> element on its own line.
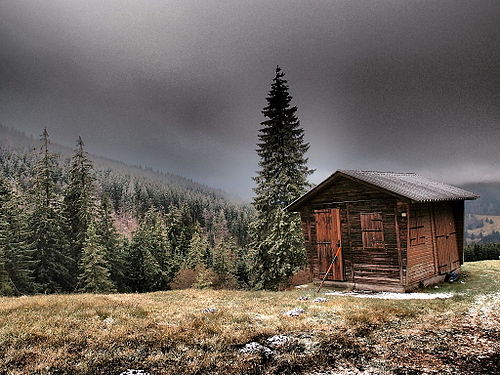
<point x="361" y="265"/>
<point x="421" y="257"/>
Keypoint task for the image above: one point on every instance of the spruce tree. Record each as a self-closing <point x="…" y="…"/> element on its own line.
<point x="6" y="286"/>
<point x="52" y="268"/>
<point x="79" y="202"/>
<point x="277" y="247"/>
<point x="199" y="252"/>
<point x="151" y="262"/>
<point x="14" y="241"/>
<point x="224" y="259"/>
<point x="111" y="242"/>
<point x="94" y="276"/>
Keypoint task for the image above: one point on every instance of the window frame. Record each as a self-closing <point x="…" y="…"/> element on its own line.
<point x="372" y="222"/>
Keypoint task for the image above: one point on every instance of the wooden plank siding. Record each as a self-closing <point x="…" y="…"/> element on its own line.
<point x="421" y="260"/>
<point x="458" y="211"/>
<point x="381" y="265"/>
<point x="446" y="238"/>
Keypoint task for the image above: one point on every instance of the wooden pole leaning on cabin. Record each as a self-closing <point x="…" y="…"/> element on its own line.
<point x="339" y="249"/>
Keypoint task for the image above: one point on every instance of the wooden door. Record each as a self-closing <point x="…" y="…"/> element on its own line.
<point x="328" y="239"/>
<point x="446" y="239"/>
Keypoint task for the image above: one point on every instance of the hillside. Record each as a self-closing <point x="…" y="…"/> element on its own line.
<point x="132" y="189"/>
<point x="175" y="332"/>
<point x="16" y="140"/>
<point x="489" y="203"/>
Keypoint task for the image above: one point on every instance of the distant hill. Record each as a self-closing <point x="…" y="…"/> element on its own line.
<point x="14" y="139"/>
<point x="489" y="203"/>
<point x="132" y="189"/>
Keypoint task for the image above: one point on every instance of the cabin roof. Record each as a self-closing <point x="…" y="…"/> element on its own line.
<point x="406" y="185"/>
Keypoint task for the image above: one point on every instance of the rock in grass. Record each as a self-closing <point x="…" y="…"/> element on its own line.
<point x="277" y="341"/>
<point x="253" y="348"/>
<point x="210" y="310"/>
<point x="134" y="372"/>
<point x="303" y="298"/>
<point x="320" y="299"/>
<point x="294" y="312"/>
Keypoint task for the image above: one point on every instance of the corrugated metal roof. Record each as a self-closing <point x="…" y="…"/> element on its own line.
<point x="412" y="186"/>
<point x="408" y="185"/>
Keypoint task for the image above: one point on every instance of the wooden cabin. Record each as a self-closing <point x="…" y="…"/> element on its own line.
<point x="396" y="231"/>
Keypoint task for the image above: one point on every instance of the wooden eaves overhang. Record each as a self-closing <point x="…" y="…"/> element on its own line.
<point x="409" y="187"/>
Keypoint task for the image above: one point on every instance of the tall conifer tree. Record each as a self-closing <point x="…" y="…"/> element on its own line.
<point x="79" y="202"/>
<point x="111" y="242"/>
<point x="151" y="262"/>
<point x="14" y="241"/>
<point x="277" y="247"/>
<point x="94" y="276"/>
<point x="199" y="253"/>
<point x="52" y="268"/>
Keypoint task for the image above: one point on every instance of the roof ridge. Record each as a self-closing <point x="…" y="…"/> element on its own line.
<point x="382" y="172"/>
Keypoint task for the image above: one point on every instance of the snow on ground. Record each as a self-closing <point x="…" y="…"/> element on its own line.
<point x="485" y="311"/>
<point x="389" y="295"/>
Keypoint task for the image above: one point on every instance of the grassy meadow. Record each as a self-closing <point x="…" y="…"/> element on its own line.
<point x="169" y="333"/>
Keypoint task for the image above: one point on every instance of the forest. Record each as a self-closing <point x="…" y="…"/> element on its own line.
<point x="67" y="226"/>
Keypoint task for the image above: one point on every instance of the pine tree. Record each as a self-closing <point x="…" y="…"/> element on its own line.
<point x="14" y="241"/>
<point x="52" y="266"/>
<point x="94" y="276"/>
<point x="180" y="228"/>
<point x="224" y="261"/>
<point x="110" y="240"/>
<point x="277" y="246"/>
<point x="6" y="286"/>
<point x="150" y="258"/>
<point x="79" y="202"/>
<point x="199" y="253"/>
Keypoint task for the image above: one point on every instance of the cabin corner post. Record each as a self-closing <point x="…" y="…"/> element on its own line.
<point x="401" y="258"/>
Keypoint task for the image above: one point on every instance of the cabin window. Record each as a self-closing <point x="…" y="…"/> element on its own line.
<point x="417" y="234"/>
<point x="372" y="230"/>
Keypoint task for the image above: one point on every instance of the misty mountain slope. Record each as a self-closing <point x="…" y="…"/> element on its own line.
<point x="132" y="189"/>
<point x="16" y="140"/>
<point x="489" y="203"/>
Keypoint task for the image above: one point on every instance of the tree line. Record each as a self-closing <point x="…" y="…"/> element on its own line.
<point x="486" y="251"/>
<point x="58" y="232"/>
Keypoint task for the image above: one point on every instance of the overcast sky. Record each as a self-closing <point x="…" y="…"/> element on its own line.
<point x="180" y="85"/>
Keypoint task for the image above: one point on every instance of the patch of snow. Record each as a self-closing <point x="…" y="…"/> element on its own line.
<point x="277" y="341"/>
<point x="485" y="311"/>
<point x="389" y="295"/>
<point x="134" y="372"/>
<point x="294" y="312"/>
<point x="210" y="310"/>
<point x="253" y="348"/>
<point x="303" y="286"/>
<point x="108" y="321"/>
<point x="320" y="299"/>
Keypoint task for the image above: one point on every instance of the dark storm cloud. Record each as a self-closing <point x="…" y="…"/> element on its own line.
<point x="179" y="85"/>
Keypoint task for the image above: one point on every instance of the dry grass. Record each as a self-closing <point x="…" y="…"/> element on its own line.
<point x="168" y="332"/>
